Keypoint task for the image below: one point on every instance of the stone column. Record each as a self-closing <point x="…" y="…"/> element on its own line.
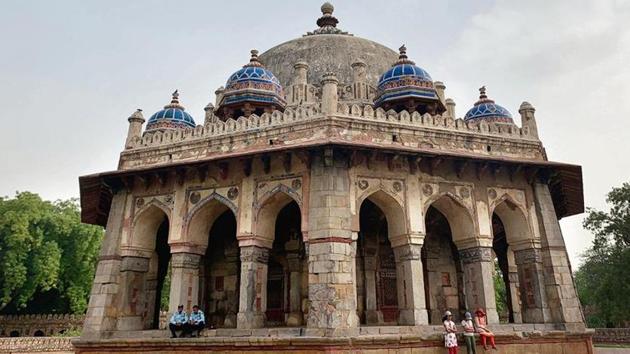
<point x="359" y="86"/>
<point x="372" y="313"/>
<point x="478" y="268"/>
<point x="531" y="284"/>
<point x="331" y="288"/>
<point x="450" y="107"/>
<point x="559" y="285"/>
<point x="184" y="281"/>
<point x="515" y="295"/>
<point x="411" y="300"/>
<point x="295" y="295"/>
<point x="102" y="311"/>
<point x="329" y="93"/>
<point x="133" y="273"/>
<point x="528" y="120"/>
<point x="439" y="89"/>
<point x="253" y="294"/>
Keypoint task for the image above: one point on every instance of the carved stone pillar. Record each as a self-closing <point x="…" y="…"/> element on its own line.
<point x="411" y="300"/>
<point x="515" y="295"/>
<point x="253" y="294"/>
<point x="329" y="93"/>
<point x="372" y="313"/>
<point x="531" y="284"/>
<point x="295" y="294"/>
<point x="133" y="273"/>
<point x="184" y="281"/>
<point x="478" y="268"/>
<point x="562" y="299"/>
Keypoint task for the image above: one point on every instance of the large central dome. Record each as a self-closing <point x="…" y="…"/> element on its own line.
<point x="328" y="49"/>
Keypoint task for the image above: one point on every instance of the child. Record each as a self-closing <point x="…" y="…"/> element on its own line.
<point x="450" y="339"/>
<point x="469" y="333"/>
<point x="484" y="332"/>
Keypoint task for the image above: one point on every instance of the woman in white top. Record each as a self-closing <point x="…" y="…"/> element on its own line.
<point x="450" y="337"/>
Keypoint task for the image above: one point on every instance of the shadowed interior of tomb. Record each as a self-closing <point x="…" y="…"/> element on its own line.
<point x="501" y="249"/>
<point x="443" y="276"/>
<point x="158" y="270"/>
<point x="376" y="269"/>
<point x="286" y="279"/>
<point x="220" y="273"/>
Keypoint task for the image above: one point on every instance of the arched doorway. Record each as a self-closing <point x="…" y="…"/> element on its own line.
<point x="286" y="277"/>
<point x="377" y="288"/>
<point x="220" y="273"/>
<point x="213" y="227"/>
<point x="442" y="270"/>
<point x="145" y="278"/>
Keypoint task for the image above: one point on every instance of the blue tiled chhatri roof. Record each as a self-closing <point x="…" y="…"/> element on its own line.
<point x="253" y="83"/>
<point x="486" y="109"/>
<point x="173" y="116"/>
<point x="405" y="80"/>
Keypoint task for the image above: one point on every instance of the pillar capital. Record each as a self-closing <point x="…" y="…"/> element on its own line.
<point x="187" y="247"/>
<point x="413" y="238"/>
<point x="245" y="240"/>
<point x="255" y="254"/>
<point x="527" y="256"/>
<point x="134" y="264"/>
<point x="185" y="260"/>
<point x="476" y="254"/>
<point x="407" y="252"/>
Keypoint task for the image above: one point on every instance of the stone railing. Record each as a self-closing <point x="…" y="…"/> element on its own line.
<point x="304" y="113"/>
<point x="37" y="345"/>
<point x="38" y="325"/>
<point x="612" y="335"/>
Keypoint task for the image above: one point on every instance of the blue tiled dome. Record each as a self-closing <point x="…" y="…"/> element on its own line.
<point x="253" y="83"/>
<point x="405" y="80"/>
<point x="486" y="109"/>
<point x="173" y="116"/>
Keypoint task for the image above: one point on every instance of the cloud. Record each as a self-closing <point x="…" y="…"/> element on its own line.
<point x="570" y="59"/>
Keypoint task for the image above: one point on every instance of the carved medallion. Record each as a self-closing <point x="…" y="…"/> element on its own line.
<point x="195" y="197"/>
<point x="427" y="189"/>
<point x="169" y="199"/>
<point x="363" y="184"/>
<point x="296" y="184"/>
<point x="492" y="194"/>
<point x="232" y="193"/>
<point x="139" y="202"/>
<point x="397" y="186"/>
<point x="464" y="192"/>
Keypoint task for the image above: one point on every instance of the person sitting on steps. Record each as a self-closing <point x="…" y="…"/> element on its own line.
<point x="178" y="321"/>
<point x="482" y="328"/>
<point x="196" y="322"/>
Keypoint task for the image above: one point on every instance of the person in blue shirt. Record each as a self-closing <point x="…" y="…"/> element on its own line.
<point x="178" y="321"/>
<point x="196" y="321"/>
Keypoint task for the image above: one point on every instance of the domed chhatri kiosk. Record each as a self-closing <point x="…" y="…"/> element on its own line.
<point x="332" y="200"/>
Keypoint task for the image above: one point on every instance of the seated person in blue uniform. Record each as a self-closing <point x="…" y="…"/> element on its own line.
<point x="178" y="321"/>
<point x="196" y="321"/>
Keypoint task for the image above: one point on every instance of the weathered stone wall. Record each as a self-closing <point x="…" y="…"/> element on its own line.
<point x="40" y="325"/>
<point x="612" y="335"/>
<point x="35" y="345"/>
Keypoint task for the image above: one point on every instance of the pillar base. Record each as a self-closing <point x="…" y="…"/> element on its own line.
<point x="412" y="317"/>
<point x="248" y="320"/>
<point x="374" y="317"/>
<point x="295" y="319"/>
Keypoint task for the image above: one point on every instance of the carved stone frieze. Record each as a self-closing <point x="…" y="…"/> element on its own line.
<point x="185" y="260"/>
<point x="134" y="264"/>
<point x="254" y="254"/>
<point x="407" y="252"/>
<point x="527" y="256"/>
<point x="476" y="254"/>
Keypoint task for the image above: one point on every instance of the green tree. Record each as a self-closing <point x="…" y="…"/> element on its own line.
<point x="603" y="280"/>
<point x="47" y="257"/>
<point x="500" y="293"/>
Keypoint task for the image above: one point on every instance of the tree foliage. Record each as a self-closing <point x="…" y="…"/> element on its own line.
<point x="603" y="280"/>
<point x="47" y="257"/>
<point x="500" y="292"/>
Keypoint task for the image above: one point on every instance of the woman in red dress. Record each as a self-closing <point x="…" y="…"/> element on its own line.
<point x="482" y="328"/>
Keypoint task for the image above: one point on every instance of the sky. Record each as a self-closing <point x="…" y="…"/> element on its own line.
<point x="71" y="72"/>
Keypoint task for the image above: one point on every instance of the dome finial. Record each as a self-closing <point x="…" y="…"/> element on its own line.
<point x="174" y="101"/>
<point x="403" y="58"/>
<point x="254" y="61"/>
<point x="403" y="52"/>
<point x="482" y="93"/>
<point x="327" y="8"/>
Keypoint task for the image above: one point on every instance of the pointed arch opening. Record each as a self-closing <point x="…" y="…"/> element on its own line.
<point x="212" y="227"/>
<point x="380" y="218"/>
<point x="279" y="221"/>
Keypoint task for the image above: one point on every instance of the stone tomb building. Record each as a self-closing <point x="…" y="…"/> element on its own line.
<point x="331" y="199"/>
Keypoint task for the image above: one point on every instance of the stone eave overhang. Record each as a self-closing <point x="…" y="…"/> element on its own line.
<point x="565" y="180"/>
